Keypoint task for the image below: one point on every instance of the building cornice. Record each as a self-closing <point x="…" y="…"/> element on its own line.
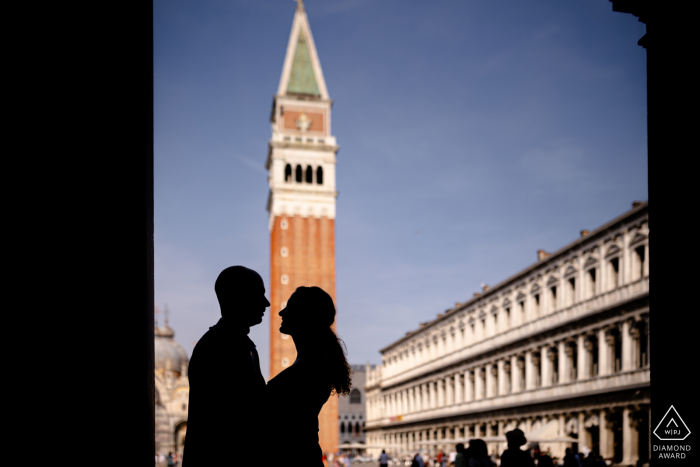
<point x="493" y="292"/>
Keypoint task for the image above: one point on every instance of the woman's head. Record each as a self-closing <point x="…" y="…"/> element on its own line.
<point x="308" y="318"/>
<point x="308" y="310"/>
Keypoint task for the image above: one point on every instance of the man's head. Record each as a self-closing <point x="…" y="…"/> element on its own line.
<point x="241" y="294"/>
<point x="515" y="438"/>
<point x="459" y="447"/>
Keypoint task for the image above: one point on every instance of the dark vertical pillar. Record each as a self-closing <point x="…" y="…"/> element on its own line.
<point x="671" y="43"/>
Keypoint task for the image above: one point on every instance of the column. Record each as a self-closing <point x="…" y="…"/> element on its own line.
<point x="479" y="383"/>
<point x="630" y="437"/>
<point x="433" y="394"/>
<point x="519" y="365"/>
<point x="494" y="380"/>
<point x="607" y="436"/>
<point x="488" y="382"/>
<point x="529" y="379"/>
<point x="627" y="349"/>
<point x="582" y="361"/>
<point x="584" y="437"/>
<point x="560" y="447"/>
<point x="440" y="392"/>
<point x="503" y="377"/>
<point x="459" y="387"/>
<point x="501" y="432"/>
<point x="450" y="391"/>
<point x="563" y="363"/>
<point x="424" y="403"/>
<point x="469" y="385"/>
<point x="635" y="360"/>
<point x="507" y="376"/>
<point x="603" y="363"/>
<point x="547" y="359"/>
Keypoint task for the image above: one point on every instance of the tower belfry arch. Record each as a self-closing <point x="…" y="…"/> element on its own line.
<point x="301" y="162"/>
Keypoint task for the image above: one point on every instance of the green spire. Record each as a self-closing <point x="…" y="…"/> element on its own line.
<point x="302" y="79"/>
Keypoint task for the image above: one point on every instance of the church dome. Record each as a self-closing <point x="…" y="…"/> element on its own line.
<point x="169" y="355"/>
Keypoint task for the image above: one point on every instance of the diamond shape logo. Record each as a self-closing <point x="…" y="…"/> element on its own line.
<point x="671" y="427"/>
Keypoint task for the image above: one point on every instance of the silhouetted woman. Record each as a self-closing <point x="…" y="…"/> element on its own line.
<point x="297" y="394"/>
<point x="479" y="454"/>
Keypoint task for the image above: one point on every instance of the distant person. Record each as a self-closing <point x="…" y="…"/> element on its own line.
<point x="383" y="459"/>
<point x="320" y="369"/>
<point x="514" y="456"/>
<point x="569" y="459"/>
<point x="226" y="385"/>
<point x="460" y="458"/>
<point x="479" y="454"/>
<point x="417" y="461"/>
<point x="545" y="461"/>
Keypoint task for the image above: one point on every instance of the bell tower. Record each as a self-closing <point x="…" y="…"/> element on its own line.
<point x="301" y="162"/>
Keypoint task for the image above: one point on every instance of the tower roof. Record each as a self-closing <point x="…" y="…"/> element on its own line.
<point x="301" y="73"/>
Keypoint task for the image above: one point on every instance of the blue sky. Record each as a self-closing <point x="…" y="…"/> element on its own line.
<point x="471" y="135"/>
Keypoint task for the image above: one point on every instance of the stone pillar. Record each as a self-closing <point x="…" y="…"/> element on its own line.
<point x="433" y="394"/>
<point x="603" y="364"/>
<point x="560" y="448"/>
<point x="635" y="359"/>
<point x="471" y="385"/>
<point x="607" y="436"/>
<point x="582" y="360"/>
<point x="630" y="437"/>
<point x="626" y="345"/>
<point x="529" y="380"/>
<point x="501" y="377"/>
<point x="449" y="391"/>
<point x="563" y="367"/>
<point x="548" y="366"/>
<point x="482" y="382"/>
<point x="566" y="362"/>
<point x="477" y="383"/>
<point x="519" y="383"/>
<point x="584" y="437"/>
<point x="507" y="376"/>
<point x="536" y="362"/>
<point x="423" y="402"/>
<point x="440" y="392"/>
<point x="494" y="380"/>
<point x="459" y="387"/>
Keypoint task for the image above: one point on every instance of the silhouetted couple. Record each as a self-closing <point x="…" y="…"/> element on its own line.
<point x="234" y="417"/>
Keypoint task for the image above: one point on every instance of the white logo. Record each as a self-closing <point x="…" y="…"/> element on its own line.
<point x="671" y="427"/>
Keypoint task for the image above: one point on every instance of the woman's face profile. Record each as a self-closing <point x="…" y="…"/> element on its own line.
<point x="290" y="316"/>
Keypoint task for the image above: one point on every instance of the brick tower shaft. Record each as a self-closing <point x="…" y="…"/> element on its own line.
<point x="301" y="163"/>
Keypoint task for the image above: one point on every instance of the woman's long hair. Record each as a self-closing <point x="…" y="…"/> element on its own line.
<point x="320" y="312"/>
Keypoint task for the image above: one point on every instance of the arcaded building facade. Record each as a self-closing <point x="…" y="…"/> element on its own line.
<point x="301" y="163"/>
<point x="560" y="350"/>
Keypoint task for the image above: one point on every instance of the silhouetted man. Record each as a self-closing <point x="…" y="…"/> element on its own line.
<point x="226" y="385"/>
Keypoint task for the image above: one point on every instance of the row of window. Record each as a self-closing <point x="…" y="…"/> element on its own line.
<point x="302" y="175"/>
<point x="357" y="427"/>
<point x="519" y="374"/>
<point x="480" y="328"/>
